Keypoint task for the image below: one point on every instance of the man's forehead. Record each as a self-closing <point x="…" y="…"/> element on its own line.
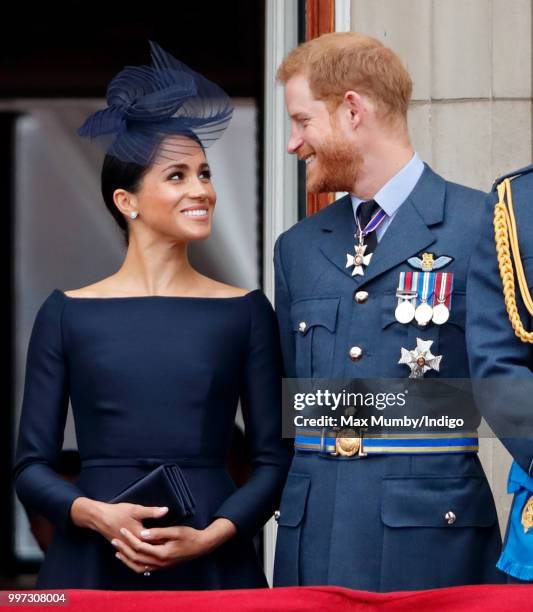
<point x="298" y="95"/>
<point x="298" y="85"/>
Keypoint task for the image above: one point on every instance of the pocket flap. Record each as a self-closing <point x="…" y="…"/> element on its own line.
<point x="294" y="500"/>
<point x="426" y="502"/>
<point x="321" y="311"/>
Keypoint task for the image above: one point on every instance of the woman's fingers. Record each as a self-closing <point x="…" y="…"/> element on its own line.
<point x="139" y="569"/>
<point x="140" y="557"/>
<point x="161" y="533"/>
<point x="144" y="512"/>
<point x="143" y="548"/>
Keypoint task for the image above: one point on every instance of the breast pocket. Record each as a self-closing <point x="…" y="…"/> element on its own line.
<point x="448" y="339"/>
<point x="314" y="322"/>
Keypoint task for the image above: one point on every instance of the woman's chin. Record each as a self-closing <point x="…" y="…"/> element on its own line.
<point x="196" y="234"/>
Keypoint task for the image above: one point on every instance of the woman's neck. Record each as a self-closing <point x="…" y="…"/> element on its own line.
<point x="156" y="268"/>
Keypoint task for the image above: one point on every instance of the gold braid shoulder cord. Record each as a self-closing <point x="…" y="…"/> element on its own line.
<point x="505" y="233"/>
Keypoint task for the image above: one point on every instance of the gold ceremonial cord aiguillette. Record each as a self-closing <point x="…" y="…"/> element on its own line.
<point x="506" y="238"/>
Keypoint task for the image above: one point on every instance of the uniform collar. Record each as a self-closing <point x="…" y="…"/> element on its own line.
<point x="394" y="193"/>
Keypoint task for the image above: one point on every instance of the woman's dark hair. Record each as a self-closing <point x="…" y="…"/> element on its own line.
<point x="117" y="174"/>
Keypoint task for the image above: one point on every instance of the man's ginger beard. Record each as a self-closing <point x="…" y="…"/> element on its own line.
<point x="336" y="166"/>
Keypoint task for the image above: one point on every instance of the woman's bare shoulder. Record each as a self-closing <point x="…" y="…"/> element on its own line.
<point x="101" y="288"/>
<point x="219" y="289"/>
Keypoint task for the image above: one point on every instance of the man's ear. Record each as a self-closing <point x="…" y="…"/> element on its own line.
<point x="356" y="106"/>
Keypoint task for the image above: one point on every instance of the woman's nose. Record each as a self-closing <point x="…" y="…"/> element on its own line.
<point x="198" y="189"/>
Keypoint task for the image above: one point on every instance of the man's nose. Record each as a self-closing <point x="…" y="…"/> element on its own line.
<point x="294" y="143"/>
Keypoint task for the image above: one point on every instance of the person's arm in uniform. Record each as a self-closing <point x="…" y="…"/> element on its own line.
<point x="283" y="310"/>
<point x="495" y="352"/>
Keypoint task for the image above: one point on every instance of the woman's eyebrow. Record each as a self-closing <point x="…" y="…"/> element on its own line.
<point x="184" y="166"/>
<point x="178" y="166"/>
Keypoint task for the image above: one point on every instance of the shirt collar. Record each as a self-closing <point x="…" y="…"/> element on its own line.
<point x="394" y="193"/>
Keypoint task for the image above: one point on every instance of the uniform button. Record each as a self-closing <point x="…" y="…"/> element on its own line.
<point x="360" y="296"/>
<point x="302" y="326"/>
<point x="450" y="517"/>
<point x="356" y="352"/>
<point x="277" y="514"/>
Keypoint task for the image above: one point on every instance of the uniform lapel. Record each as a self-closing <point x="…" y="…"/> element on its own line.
<point x="407" y="235"/>
<point x="338" y="234"/>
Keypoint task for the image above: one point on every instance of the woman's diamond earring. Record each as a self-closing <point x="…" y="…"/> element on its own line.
<point x="134" y="214"/>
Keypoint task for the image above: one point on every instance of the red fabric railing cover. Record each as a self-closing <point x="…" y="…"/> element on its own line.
<point x="303" y="599"/>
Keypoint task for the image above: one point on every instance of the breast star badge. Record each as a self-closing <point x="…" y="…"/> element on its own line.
<point x="358" y="260"/>
<point x="420" y="360"/>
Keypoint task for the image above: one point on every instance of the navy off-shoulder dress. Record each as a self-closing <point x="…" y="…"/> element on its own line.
<point x="152" y="380"/>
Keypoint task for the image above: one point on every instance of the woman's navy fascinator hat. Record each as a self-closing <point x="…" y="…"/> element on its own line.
<point x="147" y="105"/>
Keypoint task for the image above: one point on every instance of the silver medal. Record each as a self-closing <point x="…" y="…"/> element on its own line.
<point x="405" y="312"/>
<point x="440" y="314"/>
<point x="423" y="313"/>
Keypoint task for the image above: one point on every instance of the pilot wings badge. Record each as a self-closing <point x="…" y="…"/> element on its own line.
<point x="428" y="262"/>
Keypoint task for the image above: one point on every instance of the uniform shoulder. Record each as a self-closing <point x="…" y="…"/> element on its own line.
<point x="465" y="190"/>
<point x="514" y="175"/>
<point x="318" y="219"/>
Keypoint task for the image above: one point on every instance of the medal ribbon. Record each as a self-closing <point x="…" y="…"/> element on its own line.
<point x="443" y="289"/>
<point x="402" y="282"/>
<point x="425" y="287"/>
<point x="373" y="224"/>
<point x="407" y="282"/>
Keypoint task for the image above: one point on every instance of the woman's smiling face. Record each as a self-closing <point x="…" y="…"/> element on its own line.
<point x="176" y="198"/>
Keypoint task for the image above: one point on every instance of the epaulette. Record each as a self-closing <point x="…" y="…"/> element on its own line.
<point x="513" y="174"/>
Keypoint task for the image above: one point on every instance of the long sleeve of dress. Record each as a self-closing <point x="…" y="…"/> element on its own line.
<point x="252" y="504"/>
<point x="42" y="424"/>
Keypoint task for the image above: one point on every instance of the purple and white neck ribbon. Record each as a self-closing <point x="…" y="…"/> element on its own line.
<point x="372" y="225"/>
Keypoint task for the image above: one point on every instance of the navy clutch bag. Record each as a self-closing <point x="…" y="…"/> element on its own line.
<point x="164" y="486"/>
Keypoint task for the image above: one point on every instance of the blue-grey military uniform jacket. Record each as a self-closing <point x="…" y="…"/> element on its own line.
<point x="378" y="522"/>
<point x="496" y="353"/>
<point x="494" y="350"/>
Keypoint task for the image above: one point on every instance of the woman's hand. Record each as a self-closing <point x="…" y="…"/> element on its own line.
<point x="165" y="546"/>
<point x="108" y="519"/>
